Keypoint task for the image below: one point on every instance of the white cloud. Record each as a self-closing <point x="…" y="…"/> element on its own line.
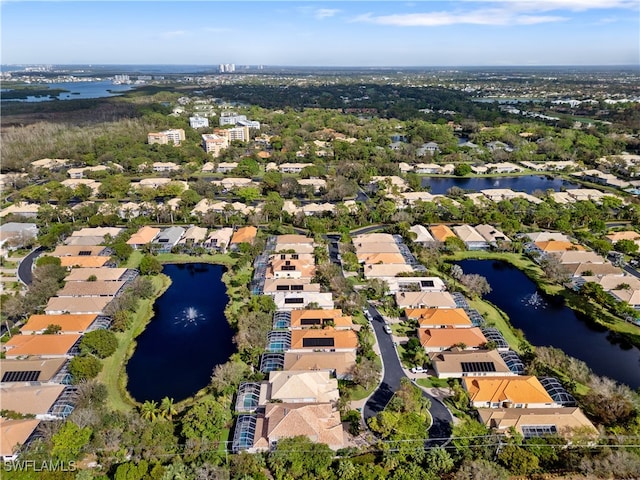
<point x="323" y="13"/>
<point x="436" y="19"/>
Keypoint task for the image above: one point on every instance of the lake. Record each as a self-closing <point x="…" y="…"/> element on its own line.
<point x="186" y="338"/>
<point x="545" y="321"/>
<point x="76" y="90"/>
<point x="525" y="183"/>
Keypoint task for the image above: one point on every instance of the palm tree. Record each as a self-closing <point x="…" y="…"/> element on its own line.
<point x="168" y="408"/>
<point x="149" y="410"/>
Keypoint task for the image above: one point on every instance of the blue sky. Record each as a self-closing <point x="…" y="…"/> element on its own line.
<point x="329" y="33"/>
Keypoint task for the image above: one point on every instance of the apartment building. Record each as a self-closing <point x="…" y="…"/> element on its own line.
<point x="214" y="144"/>
<point x="174" y="136"/>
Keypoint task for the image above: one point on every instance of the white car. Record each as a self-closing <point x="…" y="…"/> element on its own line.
<point x="387" y="329"/>
<point x="417" y="370"/>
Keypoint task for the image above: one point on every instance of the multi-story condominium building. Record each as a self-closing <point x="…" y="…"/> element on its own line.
<point x="174" y="136"/>
<point x="214" y="144"/>
<point x="231" y="118"/>
<point x="198" y="122"/>
<point x="235" y="133"/>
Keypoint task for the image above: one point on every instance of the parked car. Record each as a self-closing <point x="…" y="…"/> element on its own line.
<point x="417" y="370"/>
<point x="387" y="329"/>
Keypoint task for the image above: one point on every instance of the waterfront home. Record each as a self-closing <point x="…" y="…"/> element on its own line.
<point x="383" y="272"/>
<point x="591" y="269"/>
<point x="299" y="387"/>
<point x="100" y="274"/>
<point x="243" y="235"/>
<point x="15" y="435"/>
<point x="85" y="261"/>
<point x="578" y="256"/>
<point x="492" y="235"/>
<point x="91" y="289"/>
<point x="441" y="232"/>
<point x="323" y="340"/>
<point x="167" y="239"/>
<point x="521" y="391"/>
<point x="320" y="318"/>
<point x="45" y="401"/>
<point x="271" y="286"/>
<point x="538" y="422"/>
<point x="69" y="324"/>
<point x="439" y="317"/>
<point x="144" y="236"/>
<point x="471" y="237"/>
<point x="414" y="284"/>
<point x="34" y="370"/>
<point x="440" y="339"/>
<point x="218" y="240"/>
<point x="194" y="236"/>
<point x="425" y="300"/>
<point x="45" y="346"/>
<point x="77" y="305"/>
<point x="340" y="364"/>
<point x="422" y="235"/>
<point x="469" y="363"/>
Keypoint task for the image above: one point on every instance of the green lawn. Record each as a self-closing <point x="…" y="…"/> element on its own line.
<point x="218" y="258"/>
<point x="499" y="319"/>
<point x="113" y="374"/>
<point x="433" y="382"/>
<point x="134" y="259"/>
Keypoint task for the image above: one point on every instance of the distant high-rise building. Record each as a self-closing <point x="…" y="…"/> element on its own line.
<point x="213" y="143"/>
<point x="174" y="136"/>
<point x="227" y="67"/>
<point x="198" y="122"/>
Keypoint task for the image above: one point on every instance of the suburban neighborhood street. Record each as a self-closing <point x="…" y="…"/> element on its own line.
<point x="26" y="265"/>
<point x="393" y="373"/>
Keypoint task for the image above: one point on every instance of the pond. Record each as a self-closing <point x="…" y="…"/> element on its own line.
<point x="186" y="338"/>
<point x="545" y="321"/>
<point x="525" y="183"/>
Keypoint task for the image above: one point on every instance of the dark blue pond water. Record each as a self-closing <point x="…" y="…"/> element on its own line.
<point x="546" y="322"/>
<point x="187" y="337"/>
<point x="527" y="183"/>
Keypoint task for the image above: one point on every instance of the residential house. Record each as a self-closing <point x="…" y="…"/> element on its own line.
<point x="274" y="285"/>
<point x="441" y="232"/>
<point x="243" y="235"/>
<point x="440" y="339"/>
<point x="320" y="318"/>
<point x="69" y="324"/>
<point x="414" y="284"/>
<point x="293" y="167"/>
<point x="323" y="340"/>
<point x="469" y="363"/>
<point x="297" y="243"/>
<point x="194" y="236"/>
<point x="372" y="258"/>
<point x="295" y="300"/>
<point x="615" y="237"/>
<point x="112" y="232"/>
<point x="92" y="289"/>
<point x="427" y="299"/>
<point x="492" y="235"/>
<point x="218" y="240"/>
<point x="592" y="269"/>
<point x="209" y="167"/>
<point x="43" y="401"/>
<point x="340" y="364"/>
<point x="439" y="317"/>
<point x="34" y="370"/>
<point x="520" y="391"/>
<point x="299" y="387"/>
<point x="317" y="208"/>
<point x="318" y="422"/>
<point x="144" y="236"/>
<point x="383" y="271"/>
<point x="15" y="235"/>
<point x="167" y="239"/>
<point x="154" y="183"/>
<point x="430" y="148"/>
<point x="471" y="237"/>
<point x="538" y="422"/>
<point x="79" y="172"/>
<point x="505" y="167"/>
<point x="77" y="305"/>
<point x="81" y="261"/>
<point x="26" y="210"/>
<point x="100" y="274"/>
<point x="45" y="346"/>
<point x="557" y="246"/>
<point x="315" y="184"/>
<point x="226" y="167"/>
<point x="80" y="251"/>
<point x="165" y="167"/>
<point x="50" y="163"/>
<point x="423" y="237"/>
<point x="578" y="256"/>
<point x="15" y="435"/>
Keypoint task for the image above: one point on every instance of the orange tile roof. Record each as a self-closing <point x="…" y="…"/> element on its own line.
<point x="439" y="316"/>
<point x="626" y="235"/>
<point x="381" y="257"/>
<point x="244" y="235"/>
<point x="341" y="338"/>
<point x="83" y="262"/>
<point x="448" y="337"/>
<point x="518" y="389"/>
<point x="69" y="323"/>
<point x="20" y="345"/>
<point x="143" y="236"/>
<point x="441" y="232"/>
<point x="334" y="315"/>
<point x="15" y="433"/>
<point x="558" y="246"/>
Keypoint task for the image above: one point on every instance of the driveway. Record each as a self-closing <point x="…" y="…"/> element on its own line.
<point x="24" y="273"/>
<point x="440" y="431"/>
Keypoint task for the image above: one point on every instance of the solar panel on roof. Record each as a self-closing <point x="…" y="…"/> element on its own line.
<point x="317" y="342"/>
<point x="475" y="367"/>
<point x="21" y="376"/>
<point x="529" y="431"/>
<point x="310" y="321"/>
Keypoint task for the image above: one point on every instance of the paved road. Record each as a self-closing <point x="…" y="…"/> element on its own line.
<point x="24" y="268"/>
<point x="632" y="271"/>
<point x="393" y="372"/>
